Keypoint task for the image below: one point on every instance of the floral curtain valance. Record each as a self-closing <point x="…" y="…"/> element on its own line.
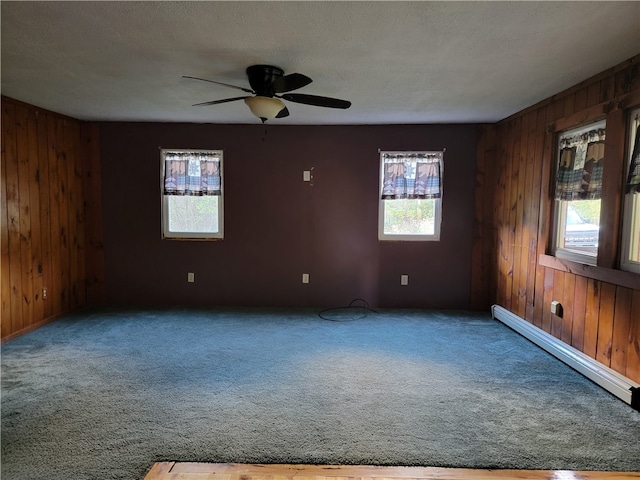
<point x="414" y="175"/>
<point x="633" y="179"/>
<point x="580" y="166"/>
<point x="192" y="173"/>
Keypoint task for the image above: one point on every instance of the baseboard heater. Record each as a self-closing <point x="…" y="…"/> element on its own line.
<point x="619" y="385"/>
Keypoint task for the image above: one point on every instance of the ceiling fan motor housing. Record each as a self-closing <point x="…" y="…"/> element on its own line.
<point x="261" y="77"/>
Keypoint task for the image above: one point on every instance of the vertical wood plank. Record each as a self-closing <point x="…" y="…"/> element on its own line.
<point x="621" y="329"/>
<point x="22" y="150"/>
<point x="579" y="313"/>
<point x="593" y="94"/>
<point x="580" y="102"/>
<point x="5" y="280"/>
<point x="633" y="346"/>
<point x="512" y="298"/>
<point x="527" y="276"/>
<point x="34" y="202"/>
<point x="536" y="149"/>
<point x="64" y="274"/>
<point x="55" y="203"/>
<point x="489" y="250"/>
<point x="505" y="233"/>
<point x="553" y="323"/>
<point x="45" y="212"/>
<point x="592" y="317"/>
<point x="607" y="89"/>
<point x="605" y="323"/>
<point x="568" y="294"/>
<point x="558" y="292"/>
<point x="569" y="104"/>
<point x="543" y="216"/>
<point x="627" y="77"/>
<point x="13" y="216"/>
<point x="5" y="286"/>
<point x="72" y="215"/>
<point x="524" y="195"/>
<point x="499" y="218"/>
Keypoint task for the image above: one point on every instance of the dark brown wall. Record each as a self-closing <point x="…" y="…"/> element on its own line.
<point x="51" y="233"/>
<point x="516" y="163"/>
<point x="277" y="226"/>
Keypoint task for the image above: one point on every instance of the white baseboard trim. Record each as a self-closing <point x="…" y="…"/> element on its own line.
<point x="619" y="385"/>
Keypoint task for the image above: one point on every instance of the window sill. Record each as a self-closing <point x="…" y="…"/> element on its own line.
<point x="615" y="277"/>
<point x="194" y="239"/>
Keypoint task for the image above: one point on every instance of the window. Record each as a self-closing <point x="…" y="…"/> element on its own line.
<point x="578" y="192"/>
<point x="410" y="195"/>
<point x="192" y="201"/>
<point x="630" y="258"/>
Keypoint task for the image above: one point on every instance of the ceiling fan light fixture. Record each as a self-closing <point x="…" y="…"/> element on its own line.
<point x="264" y="108"/>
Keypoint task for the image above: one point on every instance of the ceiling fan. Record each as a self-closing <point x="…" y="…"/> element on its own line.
<point x="269" y="85"/>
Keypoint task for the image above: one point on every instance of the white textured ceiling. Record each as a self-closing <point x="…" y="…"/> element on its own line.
<point x="397" y="62"/>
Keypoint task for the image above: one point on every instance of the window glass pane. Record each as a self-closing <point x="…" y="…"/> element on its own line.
<point x="195" y="214"/>
<point x="630" y="258"/>
<point x="633" y="217"/>
<point x="409" y="217"/>
<point x="579" y="226"/>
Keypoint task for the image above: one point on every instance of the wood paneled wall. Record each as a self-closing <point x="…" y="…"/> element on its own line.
<point x="516" y="159"/>
<point x="51" y="220"/>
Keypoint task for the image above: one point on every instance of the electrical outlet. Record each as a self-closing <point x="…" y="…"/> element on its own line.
<point x="305" y="278"/>
<point x="190" y="277"/>
<point x="44" y="293"/>
<point x="556" y="308"/>
<point x="404" y="279"/>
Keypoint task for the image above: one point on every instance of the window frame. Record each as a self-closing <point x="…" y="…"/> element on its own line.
<point x="206" y="236"/>
<point x="629" y="199"/>
<point x="437" y="208"/>
<point x="560" y="206"/>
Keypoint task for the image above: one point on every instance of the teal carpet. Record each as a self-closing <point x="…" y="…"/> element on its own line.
<point x="105" y="394"/>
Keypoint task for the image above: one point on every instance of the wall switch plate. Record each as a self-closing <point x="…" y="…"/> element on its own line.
<point x="404" y="279"/>
<point x="306" y="175"/>
<point x="191" y="277"/>
<point x="305" y="278"/>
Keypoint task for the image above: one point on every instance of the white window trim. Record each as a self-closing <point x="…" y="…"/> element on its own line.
<point x="628" y="214"/>
<point x="168" y="235"/>
<point x="625" y="262"/>
<point x="567" y="253"/>
<point x="437" y="206"/>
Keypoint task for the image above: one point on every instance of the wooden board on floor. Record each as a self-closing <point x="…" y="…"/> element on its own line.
<point x="236" y="471"/>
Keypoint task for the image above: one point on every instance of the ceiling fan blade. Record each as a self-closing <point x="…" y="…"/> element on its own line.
<point x="220" y="83"/>
<point x="224" y="100"/>
<point x="283" y="113"/>
<point x="316" y="100"/>
<point x="290" y="82"/>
